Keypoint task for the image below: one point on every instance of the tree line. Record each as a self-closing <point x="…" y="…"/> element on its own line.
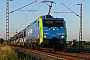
<point x="1" y="40"/>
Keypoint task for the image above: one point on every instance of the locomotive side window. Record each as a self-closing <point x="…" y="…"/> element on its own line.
<point x="38" y="23"/>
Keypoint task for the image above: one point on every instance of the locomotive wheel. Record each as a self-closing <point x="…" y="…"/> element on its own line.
<point x="54" y="49"/>
<point x="33" y="46"/>
<point x="39" y="48"/>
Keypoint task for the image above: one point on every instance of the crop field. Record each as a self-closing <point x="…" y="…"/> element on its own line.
<point x="6" y="53"/>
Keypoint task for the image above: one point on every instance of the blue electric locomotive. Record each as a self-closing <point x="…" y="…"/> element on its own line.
<point x="47" y="32"/>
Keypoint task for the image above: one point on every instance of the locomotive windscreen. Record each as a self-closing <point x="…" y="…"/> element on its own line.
<point x="53" y="23"/>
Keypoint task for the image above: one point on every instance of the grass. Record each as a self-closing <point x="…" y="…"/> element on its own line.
<point x="6" y="53"/>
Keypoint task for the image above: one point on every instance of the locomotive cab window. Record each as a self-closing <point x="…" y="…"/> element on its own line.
<point x="48" y="23"/>
<point x="53" y="23"/>
<point x="58" y="23"/>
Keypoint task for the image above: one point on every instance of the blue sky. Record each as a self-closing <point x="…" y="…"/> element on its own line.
<point x="20" y="19"/>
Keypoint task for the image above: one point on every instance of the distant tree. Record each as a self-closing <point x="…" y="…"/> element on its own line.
<point x="1" y="40"/>
<point x="74" y="43"/>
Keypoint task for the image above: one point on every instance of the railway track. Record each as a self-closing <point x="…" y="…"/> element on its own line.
<point x="69" y="56"/>
<point x="60" y="54"/>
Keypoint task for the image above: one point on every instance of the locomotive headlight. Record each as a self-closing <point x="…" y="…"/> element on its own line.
<point x="62" y="36"/>
<point x="45" y="36"/>
<point x="53" y="28"/>
<point x="49" y="28"/>
<point x="57" y="29"/>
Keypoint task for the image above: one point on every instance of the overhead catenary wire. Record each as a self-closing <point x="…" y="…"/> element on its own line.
<point x="57" y="8"/>
<point x="26" y="18"/>
<point x="66" y="9"/>
<point x="82" y="1"/>
<point x="37" y="8"/>
<point x="29" y="15"/>
<point x="22" y="7"/>
<point x="33" y="12"/>
<point x="70" y="7"/>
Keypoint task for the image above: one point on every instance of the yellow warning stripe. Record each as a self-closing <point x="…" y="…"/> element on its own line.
<point x="41" y="29"/>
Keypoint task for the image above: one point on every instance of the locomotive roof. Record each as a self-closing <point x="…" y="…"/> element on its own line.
<point x="46" y="17"/>
<point x="49" y="17"/>
<point x="53" y="18"/>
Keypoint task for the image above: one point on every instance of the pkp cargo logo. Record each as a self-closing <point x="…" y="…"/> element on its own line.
<point x="30" y="32"/>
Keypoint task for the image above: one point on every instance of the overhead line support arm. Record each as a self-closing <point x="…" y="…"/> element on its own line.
<point x="22" y="7"/>
<point x="70" y="9"/>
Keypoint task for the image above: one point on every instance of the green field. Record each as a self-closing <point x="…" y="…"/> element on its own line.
<point x="6" y="53"/>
